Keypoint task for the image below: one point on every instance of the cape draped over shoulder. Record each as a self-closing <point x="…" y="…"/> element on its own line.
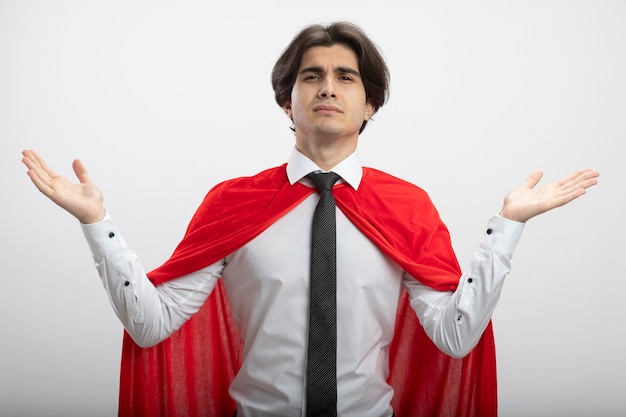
<point x="189" y="373"/>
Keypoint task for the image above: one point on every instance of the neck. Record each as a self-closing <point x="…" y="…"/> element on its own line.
<point x="326" y="154"/>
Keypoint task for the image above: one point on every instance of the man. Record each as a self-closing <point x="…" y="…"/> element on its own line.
<point x="228" y="315"/>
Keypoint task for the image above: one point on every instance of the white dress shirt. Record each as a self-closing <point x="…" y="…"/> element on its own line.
<point x="267" y="282"/>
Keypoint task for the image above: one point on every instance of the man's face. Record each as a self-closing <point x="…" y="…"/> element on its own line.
<point x="328" y="98"/>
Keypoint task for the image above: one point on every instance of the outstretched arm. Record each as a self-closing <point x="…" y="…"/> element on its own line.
<point x="456" y="321"/>
<point x="527" y="201"/>
<point x="83" y="200"/>
<point x="149" y="313"/>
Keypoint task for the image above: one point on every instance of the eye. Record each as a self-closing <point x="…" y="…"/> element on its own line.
<point x="346" y="78"/>
<point x="311" y="77"/>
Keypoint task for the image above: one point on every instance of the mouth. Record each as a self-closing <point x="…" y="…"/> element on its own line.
<point x="327" y="109"/>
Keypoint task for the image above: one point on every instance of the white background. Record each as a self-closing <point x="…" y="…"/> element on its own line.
<point x="162" y="100"/>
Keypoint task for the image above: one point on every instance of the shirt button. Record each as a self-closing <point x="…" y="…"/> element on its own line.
<point x="111" y="234"/>
<point x="126" y="283"/>
<point x="470" y="280"/>
<point x="489" y="231"/>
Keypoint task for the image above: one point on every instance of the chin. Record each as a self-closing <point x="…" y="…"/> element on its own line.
<point x="330" y="129"/>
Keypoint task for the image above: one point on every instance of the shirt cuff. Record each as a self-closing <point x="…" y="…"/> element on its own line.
<point x="103" y="237"/>
<point x="502" y="235"/>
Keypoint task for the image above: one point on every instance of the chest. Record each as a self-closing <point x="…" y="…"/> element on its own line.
<point x="274" y="269"/>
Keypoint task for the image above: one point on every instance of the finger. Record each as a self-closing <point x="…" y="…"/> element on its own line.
<point x="36" y="172"/>
<point x="583" y="178"/>
<point x="590" y="176"/>
<point x="40" y="165"/>
<point x="533" y="179"/>
<point x="30" y="159"/>
<point x="81" y="171"/>
<point x="39" y="183"/>
<point x="576" y="184"/>
<point x="39" y="172"/>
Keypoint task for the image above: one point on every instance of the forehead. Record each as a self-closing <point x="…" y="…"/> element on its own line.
<point x="337" y="55"/>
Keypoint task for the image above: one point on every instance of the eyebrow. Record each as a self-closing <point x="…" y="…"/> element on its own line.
<point x="319" y="70"/>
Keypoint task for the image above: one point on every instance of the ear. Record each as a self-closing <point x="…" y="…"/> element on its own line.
<point x="287" y="109"/>
<point x="369" y="110"/>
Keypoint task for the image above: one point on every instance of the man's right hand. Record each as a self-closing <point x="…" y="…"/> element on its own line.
<point x="84" y="200"/>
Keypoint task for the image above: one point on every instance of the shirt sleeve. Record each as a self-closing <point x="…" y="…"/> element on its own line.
<point x="456" y="320"/>
<point x="149" y="313"/>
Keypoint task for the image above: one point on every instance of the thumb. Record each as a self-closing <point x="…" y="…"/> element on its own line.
<point x="81" y="171"/>
<point x="533" y="179"/>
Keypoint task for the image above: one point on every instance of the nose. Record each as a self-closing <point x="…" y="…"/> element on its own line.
<point x="327" y="89"/>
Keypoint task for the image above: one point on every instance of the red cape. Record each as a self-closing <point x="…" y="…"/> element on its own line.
<point x="189" y="373"/>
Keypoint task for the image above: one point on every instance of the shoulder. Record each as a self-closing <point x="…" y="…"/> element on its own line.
<point x="380" y="181"/>
<point x="236" y="191"/>
<point x="241" y="195"/>
<point x="268" y="178"/>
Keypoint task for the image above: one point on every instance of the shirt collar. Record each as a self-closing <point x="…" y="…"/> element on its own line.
<point x="350" y="169"/>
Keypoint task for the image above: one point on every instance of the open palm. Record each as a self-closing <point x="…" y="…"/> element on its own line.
<point x="83" y="200"/>
<point x="527" y="201"/>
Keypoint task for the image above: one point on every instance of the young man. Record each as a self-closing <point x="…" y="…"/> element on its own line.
<point x="206" y="353"/>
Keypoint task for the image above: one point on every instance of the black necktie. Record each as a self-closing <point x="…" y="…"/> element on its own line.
<point x="322" y="352"/>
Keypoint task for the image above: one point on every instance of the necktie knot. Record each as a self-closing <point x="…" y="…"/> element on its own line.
<point x="323" y="180"/>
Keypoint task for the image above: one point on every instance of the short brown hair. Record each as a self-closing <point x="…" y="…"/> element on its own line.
<point x="372" y="66"/>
